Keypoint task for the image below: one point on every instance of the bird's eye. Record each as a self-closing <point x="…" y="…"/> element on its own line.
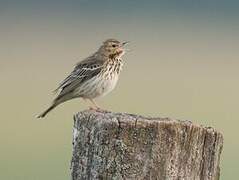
<point x="114" y="45"/>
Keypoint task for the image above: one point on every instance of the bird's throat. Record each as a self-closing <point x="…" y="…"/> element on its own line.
<point x="117" y="55"/>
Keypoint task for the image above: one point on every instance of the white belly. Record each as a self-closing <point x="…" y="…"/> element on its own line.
<point x="97" y="87"/>
<point x="108" y="85"/>
<point x="101" y="84"/>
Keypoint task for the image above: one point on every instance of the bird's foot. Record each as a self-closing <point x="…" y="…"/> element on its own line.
<point x="94" y="108"/>
<point x="97" y="109"/>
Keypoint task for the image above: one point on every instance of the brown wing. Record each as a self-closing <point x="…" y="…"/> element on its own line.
<point x="82" y="72"/>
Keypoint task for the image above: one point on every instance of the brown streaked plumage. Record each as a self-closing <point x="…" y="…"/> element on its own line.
<point x="95" y="76"/>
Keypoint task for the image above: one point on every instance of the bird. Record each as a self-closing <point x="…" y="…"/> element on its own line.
<point x="93" y="77"/>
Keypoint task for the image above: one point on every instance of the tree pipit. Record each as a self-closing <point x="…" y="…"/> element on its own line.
<point x="93" y="77"/>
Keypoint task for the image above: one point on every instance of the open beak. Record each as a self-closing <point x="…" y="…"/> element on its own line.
<point x="124" y="43"/>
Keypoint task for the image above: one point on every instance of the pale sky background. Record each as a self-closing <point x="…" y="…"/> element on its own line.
<point x="183" y="64"/>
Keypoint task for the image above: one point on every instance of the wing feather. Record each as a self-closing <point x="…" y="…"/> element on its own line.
<point x="83" y="71"/>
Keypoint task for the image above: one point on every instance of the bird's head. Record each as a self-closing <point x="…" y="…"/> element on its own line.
<point x="112" y="48"/>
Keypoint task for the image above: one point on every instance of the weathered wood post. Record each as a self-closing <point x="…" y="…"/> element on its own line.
<point x="123" y="146"/>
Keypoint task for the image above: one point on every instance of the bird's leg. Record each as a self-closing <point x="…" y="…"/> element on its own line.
<point x="95" y="106"/>
<point x="91" y="108"/>
<point x="84" y="99"/>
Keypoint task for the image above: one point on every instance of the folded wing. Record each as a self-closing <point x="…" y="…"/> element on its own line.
<point x="82" y="72"/>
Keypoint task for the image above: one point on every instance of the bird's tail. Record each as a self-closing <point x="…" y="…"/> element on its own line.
<point x="42" y="115"/>
<point x="58" y="100"/>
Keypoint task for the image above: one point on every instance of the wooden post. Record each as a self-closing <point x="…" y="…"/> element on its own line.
<point x="119" y="146"/>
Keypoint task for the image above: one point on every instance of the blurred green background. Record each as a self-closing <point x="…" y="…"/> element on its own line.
<point x="183" y="64"/>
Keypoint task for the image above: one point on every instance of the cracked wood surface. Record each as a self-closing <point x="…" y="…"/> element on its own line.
<point x="121" y="146"/>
